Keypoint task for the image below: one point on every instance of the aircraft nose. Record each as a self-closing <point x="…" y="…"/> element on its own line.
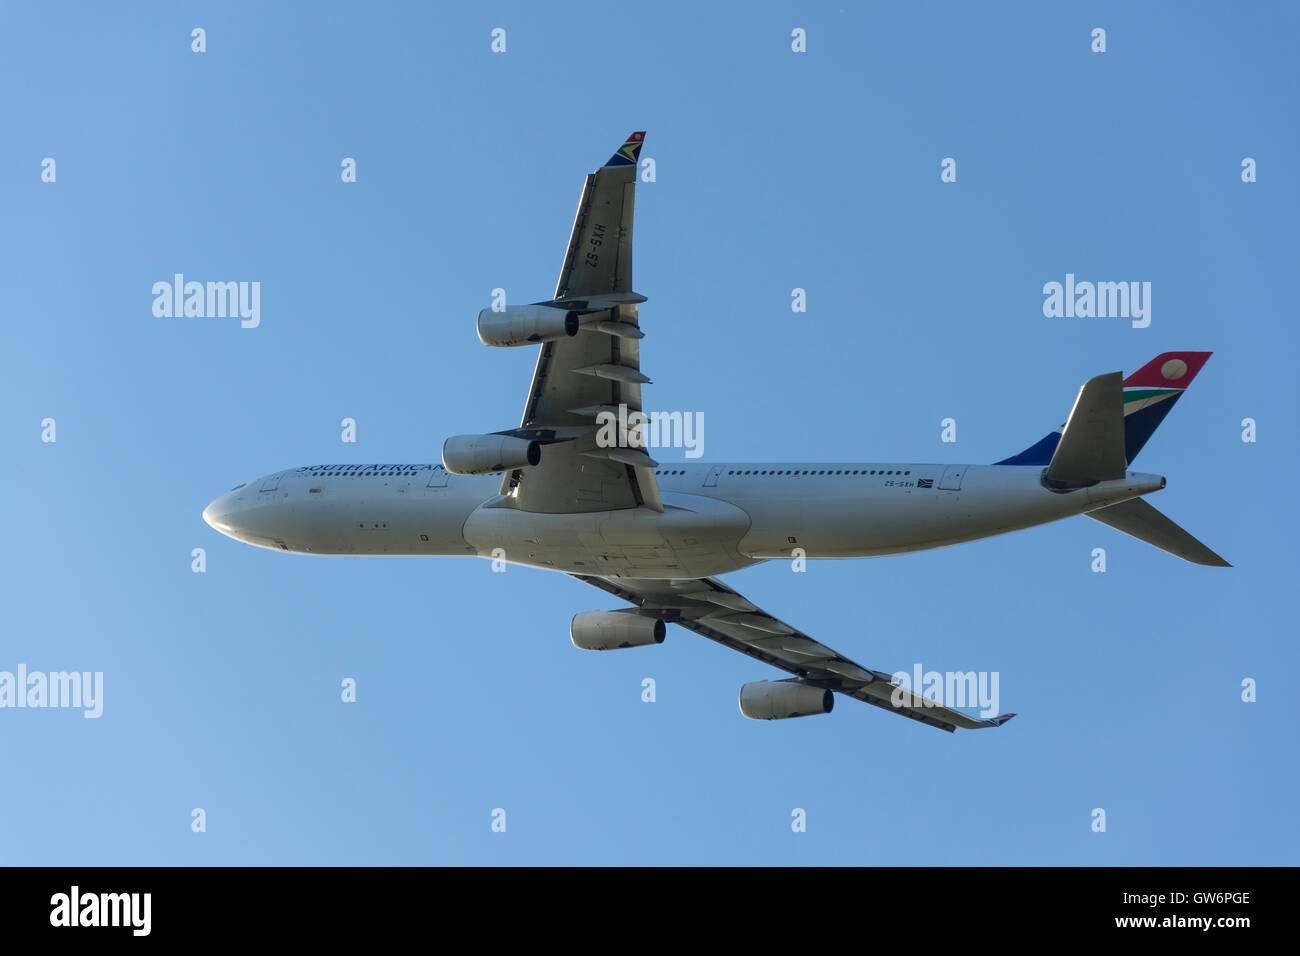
<point x="217" y="514"/>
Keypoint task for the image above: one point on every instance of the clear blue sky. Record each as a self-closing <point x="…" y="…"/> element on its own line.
<point x="775" y="170"/>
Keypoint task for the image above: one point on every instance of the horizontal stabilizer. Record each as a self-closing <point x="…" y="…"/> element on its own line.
<point x="1092" y="446"/>
<point x="1137" y="518"/>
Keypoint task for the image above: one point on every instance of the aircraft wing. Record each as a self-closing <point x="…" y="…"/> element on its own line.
<point x="708" y="607"/>
<point x="598" y="369"/>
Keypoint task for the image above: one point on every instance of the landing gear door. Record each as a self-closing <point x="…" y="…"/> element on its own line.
<point x="952" y="476"/>
<point x="711" y="479"/>
<point x="437" y="477"/>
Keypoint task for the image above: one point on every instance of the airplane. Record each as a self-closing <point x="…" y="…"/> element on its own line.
<point x="559" y="493"/>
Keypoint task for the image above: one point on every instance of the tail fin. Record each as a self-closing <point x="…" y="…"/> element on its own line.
<point x="1149" y="394"/>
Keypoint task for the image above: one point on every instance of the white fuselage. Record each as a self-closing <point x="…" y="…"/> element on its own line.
<point x="716" y="518"/>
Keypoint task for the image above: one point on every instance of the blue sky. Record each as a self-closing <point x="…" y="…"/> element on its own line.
<point x="774" y="170"/>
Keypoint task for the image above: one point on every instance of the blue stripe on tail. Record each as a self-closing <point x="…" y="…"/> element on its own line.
<point x="1139" y="426"/>
<point x="1039" y="453"/>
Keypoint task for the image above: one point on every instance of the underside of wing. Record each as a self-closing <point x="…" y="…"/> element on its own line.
<point x="584" y="379"/>
<point x="710" y="608"/>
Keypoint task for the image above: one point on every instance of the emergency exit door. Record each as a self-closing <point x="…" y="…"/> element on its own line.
<point x="952" y="476"/>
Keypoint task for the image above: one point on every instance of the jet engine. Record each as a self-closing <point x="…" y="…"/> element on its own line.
<point x="777" y="700"/>
<point x="484" y="454"/>
<point x="525" y="325"/>
<point x="608" y="630"/>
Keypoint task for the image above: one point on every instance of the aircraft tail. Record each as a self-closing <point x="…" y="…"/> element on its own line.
<point x="1148" y="395"/>
<point x="1110" y="422"/>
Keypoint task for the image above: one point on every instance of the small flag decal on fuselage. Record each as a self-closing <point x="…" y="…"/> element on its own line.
<point x="925" y="482"/>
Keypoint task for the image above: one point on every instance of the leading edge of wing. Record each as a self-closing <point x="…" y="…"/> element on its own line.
<point x="711" y="609"/>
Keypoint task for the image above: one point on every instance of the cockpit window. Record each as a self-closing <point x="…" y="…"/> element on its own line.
<point x="238" y="486"/>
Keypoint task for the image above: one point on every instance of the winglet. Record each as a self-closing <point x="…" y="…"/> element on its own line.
<point x="1000" y="720"/>
<point x="627" y="153"/>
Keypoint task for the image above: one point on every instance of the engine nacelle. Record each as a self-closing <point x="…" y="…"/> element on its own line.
<point x="777" y="700"/>
<point x="525" y="325"/>
<point x="609" y="630"/>
<point x="484" y="454"/>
